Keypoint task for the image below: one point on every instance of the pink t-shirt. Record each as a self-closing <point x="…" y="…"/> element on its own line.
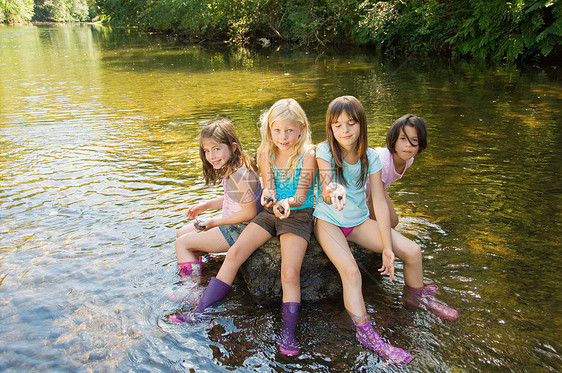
<point x="389" y="174"/>
<point x="232" y="198"/>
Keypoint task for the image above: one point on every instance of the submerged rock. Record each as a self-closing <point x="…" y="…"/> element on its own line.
<point x="319" y="278"/>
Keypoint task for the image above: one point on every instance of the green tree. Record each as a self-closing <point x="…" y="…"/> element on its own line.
<point x="63" y="10"/>
<point x="494" y="30"/>
<point x="499" y="30"/>
<point x="16" y="11"/>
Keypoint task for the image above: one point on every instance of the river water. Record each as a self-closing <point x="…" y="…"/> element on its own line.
<point x="99" y="161"/>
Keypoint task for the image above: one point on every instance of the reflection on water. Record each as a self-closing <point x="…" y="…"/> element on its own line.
<point x="99" y="162"/>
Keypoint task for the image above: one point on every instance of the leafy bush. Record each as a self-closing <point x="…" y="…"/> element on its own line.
<point x="62" y="10"/>
<point x="16" y="11"/>
<point x="491" y="30"/>
<point x="500" y="30"/>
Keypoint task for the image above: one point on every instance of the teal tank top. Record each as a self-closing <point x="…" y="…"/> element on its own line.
<point x="287" y="187"/>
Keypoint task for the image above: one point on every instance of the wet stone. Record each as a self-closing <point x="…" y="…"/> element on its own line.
<point x="319" y="278"/>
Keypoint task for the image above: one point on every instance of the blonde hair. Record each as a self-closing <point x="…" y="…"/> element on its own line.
<point x="222" y="131"/>
<point x="284" y="109"/>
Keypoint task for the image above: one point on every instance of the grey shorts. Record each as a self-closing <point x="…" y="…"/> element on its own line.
<point x="299" y="222"/>
<point x="231" y="232"/>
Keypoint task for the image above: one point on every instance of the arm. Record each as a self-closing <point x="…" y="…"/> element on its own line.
<point x="306" y="179"/>
<point x="212" y="204"/>
<point x="382" y="214"/>
<point x="331" y="192"/>
<point x="391" y="209"/>
<point x="241" y="186"/>
<point x="269" y="196"/>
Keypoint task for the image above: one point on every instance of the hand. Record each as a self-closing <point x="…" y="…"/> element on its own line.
<point x="204" y="225"/>
<point x="337" y="194"/>
<point x="268" y="197"/>
<point x="282" y="209"/>
<point x="387" y="263"/>
<point x="195" y="210"/>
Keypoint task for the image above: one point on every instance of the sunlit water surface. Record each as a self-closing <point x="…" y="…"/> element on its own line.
<point x="99" y="161"/>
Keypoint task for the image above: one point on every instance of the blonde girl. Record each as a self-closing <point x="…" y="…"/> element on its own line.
<point x="288" y="169"/>
<point x="223" y="161"/>
<point x="345" y="162"/>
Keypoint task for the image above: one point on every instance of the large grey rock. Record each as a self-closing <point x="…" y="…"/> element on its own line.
<point x="319" y="278"/>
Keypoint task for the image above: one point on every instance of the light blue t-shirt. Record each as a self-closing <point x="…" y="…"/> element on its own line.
<point x="287" y="187"/>
<point x="355" y="210"/>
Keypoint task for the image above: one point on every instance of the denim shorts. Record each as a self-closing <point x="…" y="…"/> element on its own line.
<point x="299" y="222"/>
<point x="231" y="232"/>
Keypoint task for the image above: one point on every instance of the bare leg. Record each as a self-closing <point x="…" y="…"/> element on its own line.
<point x="211" y="241"/>
<point x="335" y="246"/>
<point x="185" y="229"/>
<point x="367" y="235"/>
<point x="391" y="210"/>
<point x="293" y="248"/>
<point x="252" y="237"/>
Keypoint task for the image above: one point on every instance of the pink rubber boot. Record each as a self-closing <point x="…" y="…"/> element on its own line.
<point x="191" y="270"/>
<point x="191" y="277"/>
<point x="416" y="297"/>
<point x="429" y="288"/>
<point x="371" y="340"/>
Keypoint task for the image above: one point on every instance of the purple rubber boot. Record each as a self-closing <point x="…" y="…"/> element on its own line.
<point x="215" y="292"/>
<point x="371" y="340"/>
<point x="178" y="318"/>
<point x="288" y="344"/>
<point x="417" y="297"/>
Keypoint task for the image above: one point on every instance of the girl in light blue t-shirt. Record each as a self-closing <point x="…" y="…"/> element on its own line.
<point x="345" y="162"/>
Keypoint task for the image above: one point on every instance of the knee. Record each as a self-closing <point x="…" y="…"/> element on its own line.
<point x="350" y="274"/>
<point x="182" y="243"/>
<point x="290" y="276"/>
<point x="179" y="246"/>
<point x="412" y="253"/>
<point x="233" y="255"/>
<point x="180" y="232"/>
<point x="184" y="230"/>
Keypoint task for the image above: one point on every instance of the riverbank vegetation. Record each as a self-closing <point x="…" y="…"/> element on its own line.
<point x="492" y="30"/>
<point x="19" y="11"/>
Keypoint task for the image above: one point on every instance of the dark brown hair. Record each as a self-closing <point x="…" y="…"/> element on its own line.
<point x="398" y="126"/>
<point x="222" y="131"/>
<point x="352" y="107"/>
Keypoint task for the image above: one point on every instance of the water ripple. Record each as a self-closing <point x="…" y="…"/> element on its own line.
<point x="99" y="163"/>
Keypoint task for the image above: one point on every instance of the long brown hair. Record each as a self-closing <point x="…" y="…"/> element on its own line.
<point x="222" y="131"/>
<point x="352" y="107"/>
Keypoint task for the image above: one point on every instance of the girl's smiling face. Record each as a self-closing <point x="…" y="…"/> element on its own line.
<point x="407" y="149"/>
<point x="346" y="131"/>
<point x="217" y="154"/>
<point x="285" y="133"/>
